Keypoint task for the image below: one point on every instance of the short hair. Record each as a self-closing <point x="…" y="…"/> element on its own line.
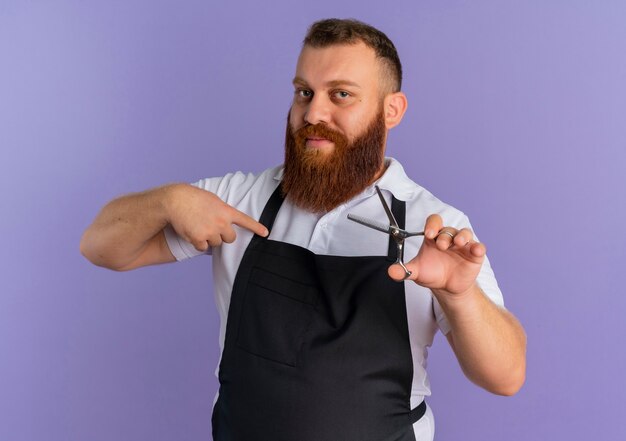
<point x="331" y="31"/>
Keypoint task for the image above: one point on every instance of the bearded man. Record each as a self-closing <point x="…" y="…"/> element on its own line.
<point x="319" y="339"/>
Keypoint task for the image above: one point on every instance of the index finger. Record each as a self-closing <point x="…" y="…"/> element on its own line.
<point x="434" y="223"/>
<point x="243" y="220"/>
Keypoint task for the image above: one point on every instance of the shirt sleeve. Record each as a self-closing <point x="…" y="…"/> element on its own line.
<point x="180" y="248"/>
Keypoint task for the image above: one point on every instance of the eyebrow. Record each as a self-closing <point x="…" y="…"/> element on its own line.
<point x="334" y="83"/>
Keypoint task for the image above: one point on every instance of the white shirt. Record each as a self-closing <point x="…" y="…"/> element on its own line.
<point x="333" y="234"/>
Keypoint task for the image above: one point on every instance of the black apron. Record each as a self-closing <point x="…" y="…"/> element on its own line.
<point x="316" y="348"/>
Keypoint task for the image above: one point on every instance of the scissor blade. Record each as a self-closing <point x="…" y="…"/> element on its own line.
<point x="392" y="219"/>
<point x="370" y="223"/>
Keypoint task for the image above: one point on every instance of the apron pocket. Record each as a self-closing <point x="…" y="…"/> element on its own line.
<point x="275" y="317"/>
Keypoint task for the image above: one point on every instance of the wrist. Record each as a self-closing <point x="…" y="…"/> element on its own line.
<point x="452" y="302"/>
<point x="170" y="199"/>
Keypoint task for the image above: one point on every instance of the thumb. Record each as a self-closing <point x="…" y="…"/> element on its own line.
<point x="397" y="273"/>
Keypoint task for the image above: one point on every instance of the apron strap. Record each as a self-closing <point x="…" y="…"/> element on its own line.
<point x="418" y="412"/>
<point x="271" y="208"/>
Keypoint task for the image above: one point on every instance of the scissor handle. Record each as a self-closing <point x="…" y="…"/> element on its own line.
<point x="400" y="258"/>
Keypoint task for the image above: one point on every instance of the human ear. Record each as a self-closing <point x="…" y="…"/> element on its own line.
<point x="395" y="105"/>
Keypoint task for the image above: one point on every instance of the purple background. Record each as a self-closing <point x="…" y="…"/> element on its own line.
<point x="516" y="116"/>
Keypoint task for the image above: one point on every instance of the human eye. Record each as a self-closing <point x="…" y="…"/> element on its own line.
<point x="341" y="95"/>
<point x="303" y="93"/>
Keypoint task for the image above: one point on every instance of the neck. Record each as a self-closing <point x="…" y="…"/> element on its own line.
<point x="380" y="172"/>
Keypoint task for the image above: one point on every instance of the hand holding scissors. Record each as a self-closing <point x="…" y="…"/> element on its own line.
<point x="449" y="259"/>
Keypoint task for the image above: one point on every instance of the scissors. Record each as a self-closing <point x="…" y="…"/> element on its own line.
<point x="397" y="233"/>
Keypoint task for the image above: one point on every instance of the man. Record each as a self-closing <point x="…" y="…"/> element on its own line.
<point x="319" y="340"/>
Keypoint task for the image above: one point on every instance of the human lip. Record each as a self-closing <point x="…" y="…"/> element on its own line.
<point x="318" y="142"/>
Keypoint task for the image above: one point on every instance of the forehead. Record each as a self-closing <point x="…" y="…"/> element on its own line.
<point x="355" y="63"/>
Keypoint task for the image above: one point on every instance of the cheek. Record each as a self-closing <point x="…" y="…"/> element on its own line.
<point x="352" y="124"/>
<point x="296" y="117"/>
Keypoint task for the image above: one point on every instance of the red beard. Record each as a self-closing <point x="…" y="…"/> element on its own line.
<point x="317" y="181"/>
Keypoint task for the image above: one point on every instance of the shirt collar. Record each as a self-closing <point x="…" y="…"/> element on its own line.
<point x="393" y="180"/>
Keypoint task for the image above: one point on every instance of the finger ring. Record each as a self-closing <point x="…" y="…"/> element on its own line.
<point x="448" y="233"/>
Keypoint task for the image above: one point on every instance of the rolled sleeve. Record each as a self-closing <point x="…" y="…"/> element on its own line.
<point x="180" y="248"/>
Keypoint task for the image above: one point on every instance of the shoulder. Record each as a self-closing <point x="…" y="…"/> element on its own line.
<point x="235" y="187"/>
<point x="424" y="203"/>
<point x="420" y="202"/>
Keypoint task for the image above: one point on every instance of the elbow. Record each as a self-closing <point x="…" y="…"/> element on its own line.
<point x="513" y="378"/>
<point x="87" y="249"/>
<point x="501" y="380"/>
<point x="510" y="385"/>
<point x="90" y="251"/>
<point x="509" y="390"/>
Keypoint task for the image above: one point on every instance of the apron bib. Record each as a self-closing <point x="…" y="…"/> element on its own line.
<point x="316" y="348"/>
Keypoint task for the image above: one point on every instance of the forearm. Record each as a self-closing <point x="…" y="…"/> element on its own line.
<point x="488" y="341"/>
<point x="124" y="227"/>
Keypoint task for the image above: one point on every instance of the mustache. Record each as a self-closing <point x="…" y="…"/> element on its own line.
<point x="318" y="131"/>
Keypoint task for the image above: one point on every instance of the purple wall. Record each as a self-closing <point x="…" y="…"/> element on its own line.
<point x="516" y="117"/>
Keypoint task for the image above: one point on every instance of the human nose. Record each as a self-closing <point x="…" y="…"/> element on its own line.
<point x="317" y="111"/>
